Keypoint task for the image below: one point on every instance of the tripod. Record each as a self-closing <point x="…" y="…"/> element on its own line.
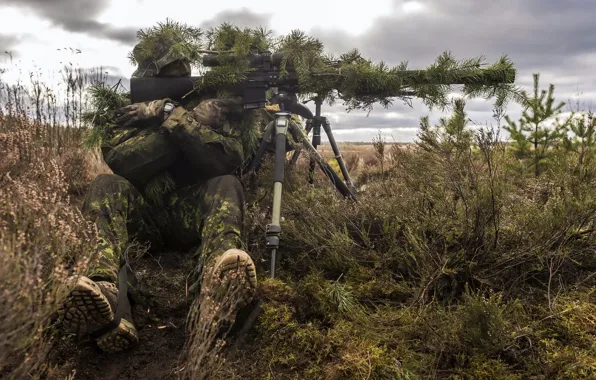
<point x="276" y="133"/>
<point x="315" y="124"/>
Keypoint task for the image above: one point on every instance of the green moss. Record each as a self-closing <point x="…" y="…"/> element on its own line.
<point x="483" y="368"/>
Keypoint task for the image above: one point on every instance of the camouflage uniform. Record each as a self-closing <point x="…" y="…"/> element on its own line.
<point x="173" y="186"/>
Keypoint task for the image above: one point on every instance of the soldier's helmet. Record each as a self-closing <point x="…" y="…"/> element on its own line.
<point x="160" y="62"/>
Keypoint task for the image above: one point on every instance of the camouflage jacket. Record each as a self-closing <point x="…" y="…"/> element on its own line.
<point x="156" y="158"/>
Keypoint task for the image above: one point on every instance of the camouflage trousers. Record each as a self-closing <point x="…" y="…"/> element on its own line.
<point x="209" y="216"/>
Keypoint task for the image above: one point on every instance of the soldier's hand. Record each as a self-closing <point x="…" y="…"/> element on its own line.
<point x="213" y="112"/>
<point x="133" y="113"/>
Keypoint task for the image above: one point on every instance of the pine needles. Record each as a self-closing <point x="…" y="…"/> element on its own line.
<point x="170" y="39"/>
<point x="358" y="82"/>
<point x="105" y="101"/>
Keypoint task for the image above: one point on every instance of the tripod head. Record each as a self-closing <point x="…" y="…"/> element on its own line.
<point x="288" y="101"/>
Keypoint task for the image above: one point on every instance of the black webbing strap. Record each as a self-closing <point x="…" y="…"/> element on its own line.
<point x="122" y="299"/>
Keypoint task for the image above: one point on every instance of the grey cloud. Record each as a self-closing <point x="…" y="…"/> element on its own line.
<point x="113" y="76"/>
<point x="243" y="18"/>
<point x="108" y="74"/>
<point x="77" y="16"/>
<point x="8" y="45"/>
<point x="546" y="36"/>
<point x="111" y="70"/>
<point x="534" y="33"/>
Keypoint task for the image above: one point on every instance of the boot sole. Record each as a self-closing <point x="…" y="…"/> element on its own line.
<point x="119" y="339"/>
<point x="86" y="309"/>
<point x="241" y="263"/>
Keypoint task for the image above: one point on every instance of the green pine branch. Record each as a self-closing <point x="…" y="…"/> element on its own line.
<point x="104" y="101"/>
<point x="583" y="139"/>
<point x="168" y="39"/>
<point x="357" y="81"/>
<point x="450" y="135"/>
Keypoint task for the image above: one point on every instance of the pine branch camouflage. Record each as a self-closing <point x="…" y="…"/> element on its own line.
<point x="357" y="81"/>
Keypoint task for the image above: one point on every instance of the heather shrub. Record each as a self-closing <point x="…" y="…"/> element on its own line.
<point x="44" y="239"/>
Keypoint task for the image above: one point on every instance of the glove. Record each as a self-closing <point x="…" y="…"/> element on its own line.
<point x="213" y="112"/>
<point x="133" y="113"/>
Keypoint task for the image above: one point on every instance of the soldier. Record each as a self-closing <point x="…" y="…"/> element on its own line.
<point x="173" y="186"/>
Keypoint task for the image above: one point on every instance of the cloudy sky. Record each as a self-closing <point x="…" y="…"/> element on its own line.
<point x="555" y="38"/>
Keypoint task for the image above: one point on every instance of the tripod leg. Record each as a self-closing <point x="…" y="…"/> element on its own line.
<point x="296" y="154"/>
<point x="316" y="140"/>
<point x="277" y="130"/>
<point x="256" y="161"/>
<point x="338" y="156"/>
<point x="282" y="121"/>
<point x="318" y="158"/>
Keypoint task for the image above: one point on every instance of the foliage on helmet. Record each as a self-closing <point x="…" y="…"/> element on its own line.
<point x="169" y="41"/>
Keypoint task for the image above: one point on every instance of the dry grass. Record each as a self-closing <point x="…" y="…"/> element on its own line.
<point x="210" y="320"/>
<point x="43" y="240"/>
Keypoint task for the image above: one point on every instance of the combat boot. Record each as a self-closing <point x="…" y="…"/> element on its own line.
<point x="228" y="285"/>
<point x="90" y="308"/>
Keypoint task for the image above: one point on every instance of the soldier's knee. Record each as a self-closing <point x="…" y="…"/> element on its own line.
<point x="110" y="181"/>
<point x="226" y="187"/>
<point x="231" y="185"/>
<point x="230" y="182"/>
<point x="107" y="187"/>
